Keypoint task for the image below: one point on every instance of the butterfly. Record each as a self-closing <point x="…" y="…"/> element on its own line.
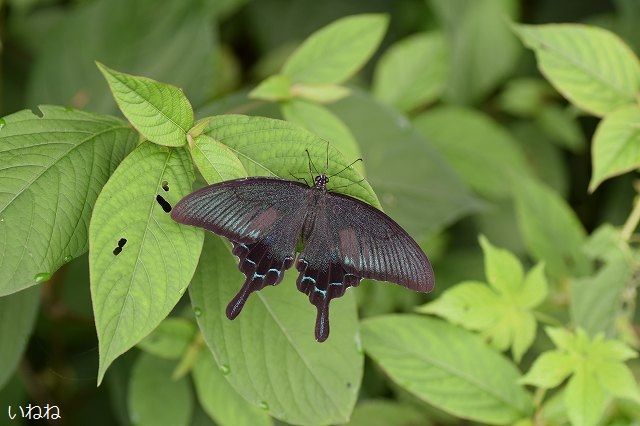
<point x="341" y="239"/>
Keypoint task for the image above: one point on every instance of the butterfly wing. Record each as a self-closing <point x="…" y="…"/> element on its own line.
<point x="351" y="240"/>
<point x="263" y="219"/>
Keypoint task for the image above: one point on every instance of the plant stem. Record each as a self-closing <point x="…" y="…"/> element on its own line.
<point x="189" y="358"/>
<point x="632" y="221"/>
<point x="547" y="319"/>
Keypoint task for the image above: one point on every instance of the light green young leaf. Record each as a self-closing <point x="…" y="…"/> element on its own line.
<point x="525" y="96"/>
<point x="18" y="313"/>
<point x="413" y="72"/>
<point x="550" y="229"/>
<point x="447" y="367"/>
<point x="215" y="161"/>
<point x="160" y="112"/>
<point x="322" y="122"/>
<point x="562" y="127"/>
<point x="269" y="351"/>
<point x="133" y="291"/>
<point x="277" y="148"/>
<point x="53" y="168"/>
<point x="482" y="152"/>
<point x="320" y="93"/>
<point x="596" y="300"/>
<point x="483" y="49"/>
<point x="584" y="398"/>
<point x="220" y="401"/>
<point x="617" y="379"/>
<point x="170" y="339"/>
<point x="549" y="370"/>
<point x="616" y="145"/>
<point x="275" y="88"/>
<point x="590" y="66"/>
<point x="154" y="397"/>
<point x="503" y="270"/>
<point x="606" y="243"/>
<point x="337" y="51"/>
<point x="419" y="188"/>
<point x="561" y="337"/>
<point x="383" y="412"/>
<point x="534" y="288"/>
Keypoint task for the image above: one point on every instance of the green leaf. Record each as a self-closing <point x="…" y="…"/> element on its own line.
<point x="269" y="352"/>
<point x="447" y="367"/>
<point x="606" y="243"/>
<point x="534" y="288"/>
<point x="221" y="402"/>
<point x="584" y="398"/>
<point x="337" y="51"/>
<point x="160" y="112"/>
<point x="503" y="270"/>
<point x="382" y="412"/>
<point x="275" y="88"/>
<point x="170" y="339"/>
<point x="133" y="291"/>
<point x="617" y="379"/>
<point x="615" y="145"/>
<point x="53" y="168"/>
<point x="525" y="96"/>
<point x="551" y="230"/>
<point x="482" y="152"/>
<point x="417" y="186"/>
<point x="562" y="127"/>
<point x="154" y="397"/>
<point x="215" y="161"/>
<point x="549" y="370"/>
<point x="483" y="49"/>
<point x="277" y="148"/>
<point x="18" y="313"/>
<point x="322" y="122"/>
<point x="590" y="66"/>
<point x="178" y="48"/>
<point x="596" y="301"/>
<point x="413" y="72"/>
<point x="320" y="93"/>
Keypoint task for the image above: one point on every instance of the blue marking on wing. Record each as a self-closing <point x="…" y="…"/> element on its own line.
<point x="323" y="292"/>
<point x="308" y="278"/>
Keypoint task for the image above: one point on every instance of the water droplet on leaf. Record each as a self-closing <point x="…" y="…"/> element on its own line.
<point x="68" y="258"/>
<point x="42" y="276"/>
<point x="263" y="405"/>
<point x="225" y="369"/>
<point x="197" y="311"/>
<point x="2" y="123"/>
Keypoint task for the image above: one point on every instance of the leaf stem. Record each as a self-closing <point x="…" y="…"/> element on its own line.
<point x="632" y="221"/>
<point x="189" y="358"/>
<point x="547" y="319"/>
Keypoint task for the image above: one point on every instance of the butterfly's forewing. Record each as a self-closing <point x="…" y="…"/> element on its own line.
<point x="262" y="217"/>
<point x="350" y="240"/>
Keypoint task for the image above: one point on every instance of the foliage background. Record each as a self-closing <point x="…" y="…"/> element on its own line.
<point x="462" y="137"/>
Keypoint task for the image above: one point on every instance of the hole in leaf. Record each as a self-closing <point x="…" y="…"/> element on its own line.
<point x="165" y="185"/>
<point x="117" y="251"/>
<point x="163" y="203"/>
<point x="122" y="242"/>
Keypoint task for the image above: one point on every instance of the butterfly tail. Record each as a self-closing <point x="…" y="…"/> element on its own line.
<point x="235" y="306"/>
<point x="322" y="321"/>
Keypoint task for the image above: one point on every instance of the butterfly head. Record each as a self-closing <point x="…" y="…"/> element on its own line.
<point x="320" y="182"/>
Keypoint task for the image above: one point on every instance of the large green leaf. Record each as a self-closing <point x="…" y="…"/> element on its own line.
<point x="155" y="399"/>
<point x="483" y="50"/>
<point x="215" y="161"/>
<point x="52" y="169"/>
<point x="550" y="229"/>
<point x="277" y="148"/>
<point x="486" y="156"/>
<point x="416" y="185"/>
<point x="590" y="66"/>
<point x="160" y="112"/>
<point x="179" y="48"/>
<point x="221" y="402"/>
<point x="448" y="367"/>
<point x="170" y="339"/>
<point x="616" y="145"/>
<point x="269" y="352"/>
<point x="413" y="72"/>
<point x="17" y="317"/>
<point x="382" y="412"/>
<point x="322" y="122"/>
<point x="132" y="291"/>
<point x="337" y="51"/>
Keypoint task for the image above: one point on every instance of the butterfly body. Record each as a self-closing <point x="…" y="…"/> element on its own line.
<point x="343" y="239"/>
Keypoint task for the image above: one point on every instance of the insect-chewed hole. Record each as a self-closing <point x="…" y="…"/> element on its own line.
<point x="117" y="251"/>
<point x="163" y="203"/>
<point x="165" y="185"/>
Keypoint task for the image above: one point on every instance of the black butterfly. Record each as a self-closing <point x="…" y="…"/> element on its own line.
<point x="343" y="239"/>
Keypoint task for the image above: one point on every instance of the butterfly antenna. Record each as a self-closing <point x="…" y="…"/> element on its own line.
<point x="327" y="165"/>
<point x="311" y="165"/>
<point x="299" y="178"/>
<point x="335" y="174"/>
